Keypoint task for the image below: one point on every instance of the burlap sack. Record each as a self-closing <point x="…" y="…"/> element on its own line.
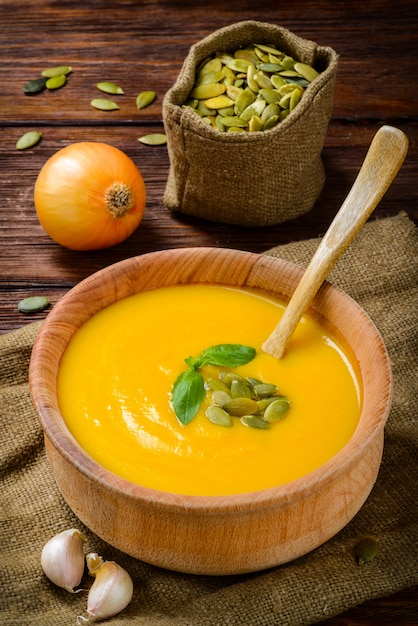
<point x="249" y="179"/>
<point x="319" y="585"/>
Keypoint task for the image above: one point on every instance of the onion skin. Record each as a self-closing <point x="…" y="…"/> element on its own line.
<point x="70" y="196"/>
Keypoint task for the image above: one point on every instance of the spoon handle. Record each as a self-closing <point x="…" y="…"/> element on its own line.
<point x="383" y="160"/>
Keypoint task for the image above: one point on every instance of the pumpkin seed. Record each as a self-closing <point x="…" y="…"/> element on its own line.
<point x="33" y="304"/>
<point x="107" y="87"/>
<point x="35" y="86"/>
<point x="235" y="92"/>
<point x="247" y="54"/>
<point x="220" y="398"/>
<point x="271" y="122"/>
<point x="295" y="98"/>
<point x="269" y="94"/>
<point x="28" y="140"/>
<point x="227" y="112"/>
<point x="289" y="73"/>
<point x="55" y="82"/>
<point x="145" y="98"/>
<point x="277" y="81"/>
<point x="269" y="67"/>
<point x="233" y="120"/>
<point x="219" y="123"/>
<point x="219" y="102"/>
<point x="103" y="104"/>
<point x="241" y="406"/>
<point x="262" y="81"/>
<point x="240" y="389"/>
<point x="284" y="102"/>
<point x="287" y="62"/>
<point x="244" y="100"/>
<point x="306" y="71"/>
<point x="218" y="416"/>
<point x="255" y="124"/>
<point x="266" y="48"/>
<point x="263" y="56"/>
<point x="264" y="390"/>
<point x="366" y="550"/>
<point x="202" y="109"/>
<point x="229" y="76"/>
<point x="209" y="77"/>
<point x="274" y="58"/>
<point x="269" y="111"/>
<point x="256" y="108"/>
<point x="252" y="83"/>
<point x="59" y="70"/>
<point x="228" y="377"/>
<point x="253" y="381"/>
<point x="153" y="139"/>
<point x="213" y="65"/>
<point x="211" y="90"/>
<point x="263" y="404"/>
<point x="254" y="422"/>
<point x="216" y="384"/>
<point x="276" y="410"/>
<point x="239" y="65"/>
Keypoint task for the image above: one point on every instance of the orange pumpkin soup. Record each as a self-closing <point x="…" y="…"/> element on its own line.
<point x="117" y="375"/>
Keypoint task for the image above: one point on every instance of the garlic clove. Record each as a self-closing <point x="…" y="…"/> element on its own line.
<point x="111" y="591"/>
<point x="62" y="559"/>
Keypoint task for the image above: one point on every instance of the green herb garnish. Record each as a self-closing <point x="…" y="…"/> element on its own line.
<point x="189" y="387"/>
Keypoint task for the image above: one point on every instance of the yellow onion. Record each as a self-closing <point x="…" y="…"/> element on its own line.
<point x="89" y="195"/>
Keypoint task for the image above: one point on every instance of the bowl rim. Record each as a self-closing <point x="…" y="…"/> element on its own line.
<point x="57" y="433"/>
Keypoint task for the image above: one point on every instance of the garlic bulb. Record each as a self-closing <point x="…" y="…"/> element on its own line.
<point x="112" y="590"/>
<point x="62" y="559"/>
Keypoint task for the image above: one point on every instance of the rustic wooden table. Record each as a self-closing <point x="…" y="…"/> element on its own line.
<point x="141" y="45"/>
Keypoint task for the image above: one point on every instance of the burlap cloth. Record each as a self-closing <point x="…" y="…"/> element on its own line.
<point x="380" y="272"/>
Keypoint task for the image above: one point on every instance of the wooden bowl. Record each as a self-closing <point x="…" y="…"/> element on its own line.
<point x="228" y="534"/>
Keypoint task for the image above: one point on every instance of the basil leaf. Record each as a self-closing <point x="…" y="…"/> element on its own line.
<point x="188" y="395"/>
<point x="192" y="363"/>
<point x="227" y="354"/>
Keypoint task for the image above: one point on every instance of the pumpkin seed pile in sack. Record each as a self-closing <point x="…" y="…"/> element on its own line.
<point x="273" y="171"/>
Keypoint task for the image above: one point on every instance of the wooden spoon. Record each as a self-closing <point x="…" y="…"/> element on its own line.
<point x="383" y="160"/>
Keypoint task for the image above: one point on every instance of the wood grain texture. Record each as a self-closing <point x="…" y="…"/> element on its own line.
<point x="232" y="534"/>
<point x="142" y="45"/>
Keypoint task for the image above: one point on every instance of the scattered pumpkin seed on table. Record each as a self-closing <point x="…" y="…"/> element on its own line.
<point x="28" y="140"/>
<point x="103" y="104"/>
<point x="108" y="87"/>
<point x="35" y="86"/>
<point x="55" y="82"/>
<point x="33" y="304"/>
<point x="145" y="98"/>
<point x="153" y="139"/>
<point x="251" y="89"/>
<point x="366" y="550"/>
<point x="59" y="70"/>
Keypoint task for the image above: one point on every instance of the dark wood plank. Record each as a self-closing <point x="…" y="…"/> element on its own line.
<point x="142" y="46"/>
